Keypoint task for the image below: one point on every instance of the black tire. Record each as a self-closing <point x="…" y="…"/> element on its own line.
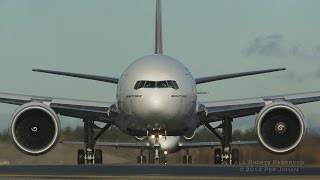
<point x="184" y="161"/>
<point x="235" y="156"/>
<point x="98" y="156"/>
<point x="151" y="156"/>
<point x="162" y="158"/>
<point x="141" y="159"/>
<point x="217" y="156"/>
<point x="189" y="158"/>
<point x="144" y="159"/>
<point x="80" y="156"/>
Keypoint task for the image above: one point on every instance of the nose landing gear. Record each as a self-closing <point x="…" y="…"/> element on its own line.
<point x="156" y="155"/>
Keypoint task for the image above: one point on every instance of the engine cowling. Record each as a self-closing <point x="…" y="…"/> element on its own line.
<point x="280" y="127"/>
<point x="34" y="128"/>
<point x="189" y="137"/>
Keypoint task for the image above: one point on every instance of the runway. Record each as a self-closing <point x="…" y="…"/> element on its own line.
<point x="157" y="171"/>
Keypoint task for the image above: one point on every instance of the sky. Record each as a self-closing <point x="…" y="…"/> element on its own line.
<point x="210" y="37"/>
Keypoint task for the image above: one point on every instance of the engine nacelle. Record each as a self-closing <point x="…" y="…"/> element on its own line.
<point x="280" y="127"/>
<point x="35" y="128"/>
<point x="189" y="137"/>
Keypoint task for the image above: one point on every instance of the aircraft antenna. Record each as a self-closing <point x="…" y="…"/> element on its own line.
<point x="158" y="27"/>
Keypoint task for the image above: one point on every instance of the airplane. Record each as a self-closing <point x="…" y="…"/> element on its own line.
<point x="157" y="100"/>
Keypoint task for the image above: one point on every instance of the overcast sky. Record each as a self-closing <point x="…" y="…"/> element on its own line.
<point x="210" y="37"/>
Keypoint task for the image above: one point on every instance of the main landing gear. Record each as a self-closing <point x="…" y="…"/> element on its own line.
<point x="90" y="155"/>
<point x="226" y="155"/>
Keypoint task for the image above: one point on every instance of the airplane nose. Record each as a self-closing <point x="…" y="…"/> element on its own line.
<point x="156" y="104"/>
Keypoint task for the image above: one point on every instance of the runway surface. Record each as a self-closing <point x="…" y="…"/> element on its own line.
<point x="156" y="171"/>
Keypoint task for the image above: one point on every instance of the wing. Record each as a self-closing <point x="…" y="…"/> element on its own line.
<point x="212" y="144"/>
<point x="83" y="76"/>
<point x="235" y="75"/>
<point x="67" y="107"/>
<point x="113" y="144"/>
<point x="217" y="110"/>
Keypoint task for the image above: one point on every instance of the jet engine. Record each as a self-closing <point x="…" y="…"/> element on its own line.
<point x="280" y="127"/>
<point x="35" y="128"/>
<point x="189" y="137"/>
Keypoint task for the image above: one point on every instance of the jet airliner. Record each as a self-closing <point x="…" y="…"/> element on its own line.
<point x="157" y="101"/>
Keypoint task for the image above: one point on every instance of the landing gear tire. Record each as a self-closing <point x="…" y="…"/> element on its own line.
<point x="151" y="156"/>
<point x="81" y="155"/>
<point x="235" y="156"/>
<point x="162" y="158"/>
<point x="141" y="159"/>
<point x="217" y="156"/>
<point x="187" y="159"/>
<point x="98" y="156"/>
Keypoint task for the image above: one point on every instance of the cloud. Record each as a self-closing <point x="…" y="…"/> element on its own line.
<point x="292" y="76"/>
<point x="275" y="45"/>
<point x="270" y="45"/>
<point x="300" y="77"/>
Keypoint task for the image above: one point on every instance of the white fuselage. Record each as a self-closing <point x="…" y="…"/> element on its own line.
<point x="159" y="104"/>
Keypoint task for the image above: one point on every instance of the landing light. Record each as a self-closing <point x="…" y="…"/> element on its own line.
<point x="160" y="136"/>
<point x="153" y="136"/>
<point x="165" y="152"/>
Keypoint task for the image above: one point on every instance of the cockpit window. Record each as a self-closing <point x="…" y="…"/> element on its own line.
<point x="139" y="84"/>
<point x="162" y="84"/>
<point x="175" y="85"/>
<point x="150" y="84"/>
<point x="136" y="85"/>
<point x="156" y="84"/>
<point x="170" y="84"/>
